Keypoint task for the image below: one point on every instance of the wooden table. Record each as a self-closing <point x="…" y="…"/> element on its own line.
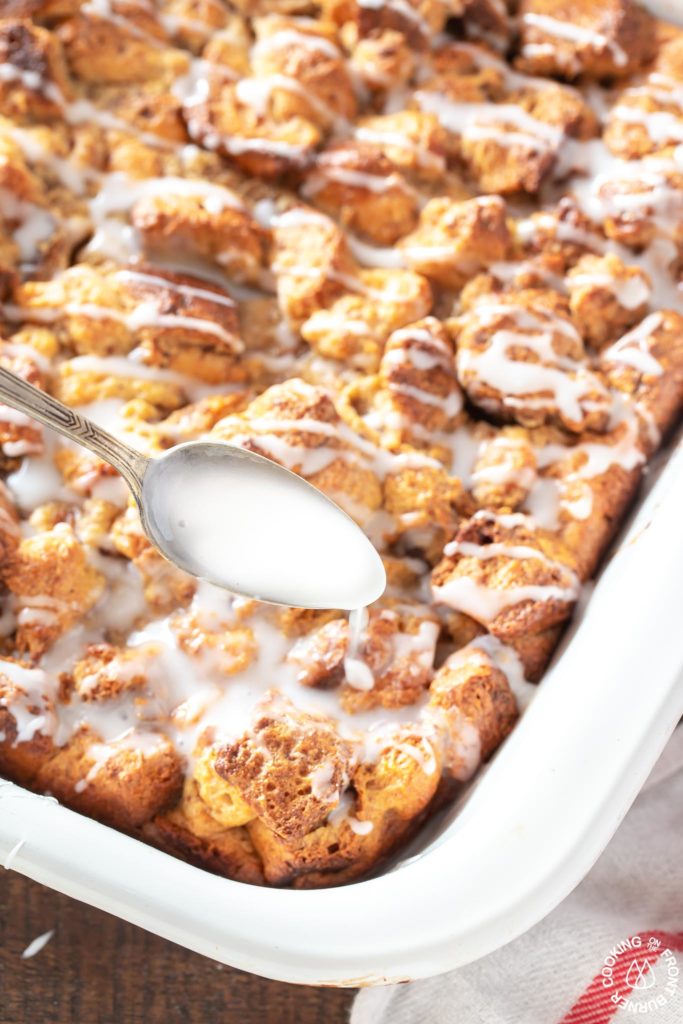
<point x="99" y="970"/>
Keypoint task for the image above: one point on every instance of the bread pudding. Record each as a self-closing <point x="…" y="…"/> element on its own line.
<point x="426" y="254"/>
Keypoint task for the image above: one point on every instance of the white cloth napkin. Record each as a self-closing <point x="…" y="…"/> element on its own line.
<point x="576" y="966"/>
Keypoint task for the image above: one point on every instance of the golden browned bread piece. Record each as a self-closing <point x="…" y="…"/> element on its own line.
<point x="611" y="38"/>
<point x="479" y="707"/>
<point x="417" y="21"/>
<point x="211" y="225"/>
<point x="606" y="297"/>
<point x="646" y="364"/>
<point x="502" y="129"/>
<point x="414" y="142"/>
<point x="123" y="783"/>
<point x="37" y="58"/>
<point x="390" y="667"/>
<point x="354" y="327"/>
<point x="646" y="117"/>
<point x="455" y="240"/>
<point x="298" y="425"/>
<point x="105" y="50"/>
<point x="426" y="504"/>
<point x="205" y="827"/>
<point x="520" y="357"/>
<point x="290" y="768"/>
<point x="505" y="471"/>
<point x="415" y="397"/>
<point x="358" y="184"/>
<point x="26" y="717"/>
<point x="388" y="796"/>
<point x="227" y="851"/>
<point x="54" y="586"/>
<point x="177" y="321"/>
<point x="512" y="579"/>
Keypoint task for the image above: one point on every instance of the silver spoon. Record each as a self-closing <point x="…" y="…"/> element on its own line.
<point x="229" y="516"/>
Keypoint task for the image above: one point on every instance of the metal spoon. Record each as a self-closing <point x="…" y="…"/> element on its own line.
<point x="272" y="535"/>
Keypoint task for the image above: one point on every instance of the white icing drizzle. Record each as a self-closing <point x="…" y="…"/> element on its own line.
<point x="419" y="347"/>
<point x="484" y="121"/>
<point x="138" y="277"/>
<point x="257" y="93"/>
<point x="632" y="348"/>
<point x="654" y="199"/>
<point x="31" y="80"/>
<point x="356" y="671"/>
<point x="36" y="224"/>
<point x="543" y="502"/>
<point x="503" y="657"/>
<point x="321" y="782"/>
<point x="287" y="37"/>
<point x="459" y="740"/>
<point x="598" y="458"/>
<point x="563" y="29"/>
<point x="79" y="111"/>
<point x="662" y="126"/>
<point x="342" y="815"/>
<point x="374" y="255"/>
<point x="422" y="752"/>
<point x="146" y="314"/>
<point x="505" y="470"/>
<point x="36" y="690"/>
<point x="526" y="230"/>
<point x="630" y="292"/>
<point x="387" y="138"/>
<point x="146" y="743"/>
<point x="117" y="194"/>
<point x="566" y="380"/>
<point x="132" y="366"/>
<point x="333" y="170"/>
<point x="310" y="460"/>
<point x="655" y="261"/>
<point x="483" y="602"/>
<point x="451" y="404"/>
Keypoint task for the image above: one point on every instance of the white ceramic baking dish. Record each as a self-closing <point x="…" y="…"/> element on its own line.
<point x="527" y="832"/>
<point x="525" y="836"/>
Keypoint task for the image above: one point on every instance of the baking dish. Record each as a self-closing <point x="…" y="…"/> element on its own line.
<point x="521" y="838"/>
<point x="529" y="830"/>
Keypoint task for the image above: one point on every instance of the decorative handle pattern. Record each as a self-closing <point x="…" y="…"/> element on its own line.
<point x="21" y="395"/>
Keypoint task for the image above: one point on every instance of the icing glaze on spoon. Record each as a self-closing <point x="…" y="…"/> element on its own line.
<point x="228" y="515"/>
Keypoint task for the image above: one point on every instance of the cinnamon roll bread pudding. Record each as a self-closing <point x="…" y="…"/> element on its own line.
<point x="425" y="253"/>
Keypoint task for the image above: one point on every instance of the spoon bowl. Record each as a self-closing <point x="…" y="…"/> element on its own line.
<point x="245" y="523"/>
<point x="229" y="516"/>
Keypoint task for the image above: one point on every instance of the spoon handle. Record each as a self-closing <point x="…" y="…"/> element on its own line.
<point x="37" y="404"/>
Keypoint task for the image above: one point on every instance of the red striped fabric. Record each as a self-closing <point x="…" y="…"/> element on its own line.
<point x="595" y="1006"/>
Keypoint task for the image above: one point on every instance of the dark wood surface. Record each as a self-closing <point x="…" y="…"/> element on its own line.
<point x="99" y="970"/>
